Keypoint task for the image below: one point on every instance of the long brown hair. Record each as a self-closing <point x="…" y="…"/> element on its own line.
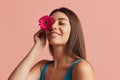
<point x="76" y="42"/>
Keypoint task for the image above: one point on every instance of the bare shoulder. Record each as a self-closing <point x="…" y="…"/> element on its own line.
<point x="40" y="64"/>
<point x="83" y="71"/>
<point x="83" y="65"/>
<point x="35" y="71"/>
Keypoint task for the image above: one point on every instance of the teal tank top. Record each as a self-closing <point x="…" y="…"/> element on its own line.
<point x="68" y="75"/>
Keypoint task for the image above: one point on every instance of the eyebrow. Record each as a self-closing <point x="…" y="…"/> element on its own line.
<point x="62" y="19"/>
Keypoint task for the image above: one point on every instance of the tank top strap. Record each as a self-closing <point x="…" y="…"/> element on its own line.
<point x="42" y="76"/>
<point x="68" y="76"/>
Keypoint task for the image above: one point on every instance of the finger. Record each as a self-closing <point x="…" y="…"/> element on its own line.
<point x="39" y="31"/>
<point x="42" y="35"/>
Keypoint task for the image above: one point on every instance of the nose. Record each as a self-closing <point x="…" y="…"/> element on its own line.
<point x="53" y="27"/>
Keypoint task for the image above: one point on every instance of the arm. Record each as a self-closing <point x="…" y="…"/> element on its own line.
<point x="24" y="69"/>
<point x="83" y="71"/>
<point x="35" y="71"/>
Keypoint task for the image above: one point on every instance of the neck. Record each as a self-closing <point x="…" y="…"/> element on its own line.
<point x="59" y="52"/>
<point x="61" y="57"/>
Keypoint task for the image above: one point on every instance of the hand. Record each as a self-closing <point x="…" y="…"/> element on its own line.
<point x="40" y="38"/>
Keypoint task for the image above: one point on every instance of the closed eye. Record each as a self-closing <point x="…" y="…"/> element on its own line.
<point x="61" y="23"/>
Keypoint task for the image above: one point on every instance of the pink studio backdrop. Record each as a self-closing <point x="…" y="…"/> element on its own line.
<point x="19" y="22"/>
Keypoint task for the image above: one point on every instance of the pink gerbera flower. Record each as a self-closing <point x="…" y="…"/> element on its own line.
<point x="46" y="22"/>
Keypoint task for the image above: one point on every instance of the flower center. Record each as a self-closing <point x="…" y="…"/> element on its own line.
<point x="46" y="22"/>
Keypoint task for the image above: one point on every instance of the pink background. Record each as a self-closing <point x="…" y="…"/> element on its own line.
<point x="19" y="22"/>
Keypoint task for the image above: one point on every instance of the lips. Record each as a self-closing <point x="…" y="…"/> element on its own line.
<point x="54" y="34"/>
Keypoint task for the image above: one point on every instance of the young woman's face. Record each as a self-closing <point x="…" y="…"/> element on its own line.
<point x="59" y="33"/>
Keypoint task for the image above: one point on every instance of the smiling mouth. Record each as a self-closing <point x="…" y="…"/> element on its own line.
<point x="54" y="34"/>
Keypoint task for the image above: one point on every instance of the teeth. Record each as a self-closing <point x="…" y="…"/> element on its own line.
<point x="54" y="34"/>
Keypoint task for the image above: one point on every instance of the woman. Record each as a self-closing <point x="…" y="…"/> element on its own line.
<point x="66" y="44"/>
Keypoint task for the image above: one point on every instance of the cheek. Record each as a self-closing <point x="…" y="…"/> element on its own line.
<point x="67" y="33"/>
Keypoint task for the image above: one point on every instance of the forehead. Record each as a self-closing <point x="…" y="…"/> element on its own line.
<point x="58" y="15"/>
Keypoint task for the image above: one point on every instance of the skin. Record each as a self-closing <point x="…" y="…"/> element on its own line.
<point x="58" y="41"/>
<point x="62" y="60"/>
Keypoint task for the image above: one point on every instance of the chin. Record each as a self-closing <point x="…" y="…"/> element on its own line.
<point x="56" y="43"/>
<point x="53" y="43"/>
